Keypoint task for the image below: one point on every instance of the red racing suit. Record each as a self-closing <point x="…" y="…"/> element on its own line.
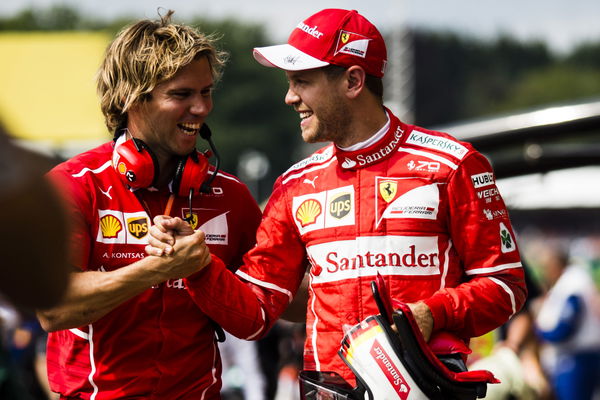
<point x="159" y="344"/>
<point x="418" y="207"/>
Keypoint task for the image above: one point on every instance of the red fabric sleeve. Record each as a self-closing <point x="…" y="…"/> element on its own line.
<point x="77" y="203"/>
<point x="482" y="236"/>
<point x="273" y="271"/>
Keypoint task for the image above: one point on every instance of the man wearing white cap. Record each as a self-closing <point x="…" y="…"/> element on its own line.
<point x="414" y="205"/>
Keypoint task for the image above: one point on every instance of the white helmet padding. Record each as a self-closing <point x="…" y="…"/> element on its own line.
<point x="399" y="364"/>
<point x="424" y="372"/>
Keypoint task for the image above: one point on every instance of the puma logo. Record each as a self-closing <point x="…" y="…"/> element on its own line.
<point x="107" y="194"/>
<point x="311" y="182"/>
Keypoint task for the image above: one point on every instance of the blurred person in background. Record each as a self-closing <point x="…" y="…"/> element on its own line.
<point x="568" y="322"/>
<point x="515" y="359"/>
<point x="415" y="205"/>
<point x="127" y="326"/>
<point x="34" y="271"/>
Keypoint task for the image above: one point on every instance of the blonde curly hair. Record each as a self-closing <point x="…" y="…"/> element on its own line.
<point x="144" y="55"/>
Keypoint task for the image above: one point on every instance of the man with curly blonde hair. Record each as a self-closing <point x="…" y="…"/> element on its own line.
<point x="127" y="327"/>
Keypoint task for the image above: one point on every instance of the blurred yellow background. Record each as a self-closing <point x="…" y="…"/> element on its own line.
<point x="58" y="105"/>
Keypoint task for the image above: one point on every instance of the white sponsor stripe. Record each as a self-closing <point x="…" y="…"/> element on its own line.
<point x="255" y="334"/>
<point x="314" y="331"/>
<point x="266" y="285"/>
<point x="94" y="171"/>
<point x="478" y="271"/>
<point x="429" y="155"/>
<point x="92" y="362"/>
<point x="80" y="333"/>
<point x="446" y="262"/>
<point x="316" y="158"/>
<point x="306" y="171"/>
<point x="507" y="290"/>
<point x="213" y="372"/>
<point x="228" y="177"/>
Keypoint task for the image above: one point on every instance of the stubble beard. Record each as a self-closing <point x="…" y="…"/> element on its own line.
<point x="332" y="123"/>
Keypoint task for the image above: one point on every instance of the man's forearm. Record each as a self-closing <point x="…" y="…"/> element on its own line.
<point x="92" y="294"/>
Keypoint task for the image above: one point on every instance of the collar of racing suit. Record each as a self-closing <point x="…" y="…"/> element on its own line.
<point x="376" y="152"/>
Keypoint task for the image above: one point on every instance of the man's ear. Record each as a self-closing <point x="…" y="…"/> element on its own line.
<point x="355" y="79"/>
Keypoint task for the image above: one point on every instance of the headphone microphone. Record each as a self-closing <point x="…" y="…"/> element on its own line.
<point x="206" y="134"/>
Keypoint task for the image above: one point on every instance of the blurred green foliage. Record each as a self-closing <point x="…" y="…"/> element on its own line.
<point x="460" y="77"/>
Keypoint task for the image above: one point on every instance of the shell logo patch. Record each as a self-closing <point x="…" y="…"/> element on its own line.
<point x="327" y="209"/>
<point x="110" y="226"/>
<point x="308" y="212"/>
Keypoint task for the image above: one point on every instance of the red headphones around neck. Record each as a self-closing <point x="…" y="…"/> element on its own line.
<point x="138" y="167"/>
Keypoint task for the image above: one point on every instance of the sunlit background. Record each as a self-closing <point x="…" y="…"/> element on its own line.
<point x="519" y="79"/>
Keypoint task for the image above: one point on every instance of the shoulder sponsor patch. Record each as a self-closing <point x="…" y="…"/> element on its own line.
<point x="506" y="239"/>
<point x="316" y="158"/>
<point x="327" y="209"/>
<point x="405" y="198"/>
<point x="494" y="213"/>
<point x="482" y="180"/>
<point x="439" y="143"/>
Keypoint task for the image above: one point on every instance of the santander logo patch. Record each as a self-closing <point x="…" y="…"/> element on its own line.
<point x="366" y="256"/>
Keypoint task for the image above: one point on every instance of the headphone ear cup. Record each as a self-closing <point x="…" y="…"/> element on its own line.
<point x="136" y="164"/>
<point x="190" y="173"/>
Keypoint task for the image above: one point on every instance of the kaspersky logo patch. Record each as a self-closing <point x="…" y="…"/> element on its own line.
<point x="352" y="44"/>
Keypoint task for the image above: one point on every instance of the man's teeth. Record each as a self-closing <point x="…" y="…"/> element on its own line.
<point x="305" y="114"/>
<point x="189" y="127"/>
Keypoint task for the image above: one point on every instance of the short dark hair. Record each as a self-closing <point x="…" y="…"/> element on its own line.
<point x="373" y="83"/>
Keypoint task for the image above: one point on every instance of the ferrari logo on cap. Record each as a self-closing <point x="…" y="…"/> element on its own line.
<point x="388" y="190"/>
<point x="353" y="44"/>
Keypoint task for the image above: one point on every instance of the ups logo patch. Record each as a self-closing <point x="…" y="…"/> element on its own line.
<point x="138" y="227"/>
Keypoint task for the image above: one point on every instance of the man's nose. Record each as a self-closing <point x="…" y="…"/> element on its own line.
<point x="291" y="97"/>
<point x="201" y="106"/>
